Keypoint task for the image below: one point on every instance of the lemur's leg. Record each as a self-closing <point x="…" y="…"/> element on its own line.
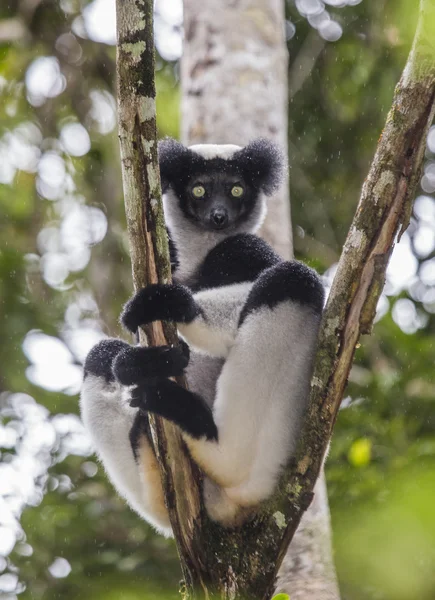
<point x="263" y="390"/>
<point x="207" y="320"/>
<point x="119" y="432"/>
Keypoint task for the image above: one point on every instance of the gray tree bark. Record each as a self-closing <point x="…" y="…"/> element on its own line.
<point x="235" y="88"/>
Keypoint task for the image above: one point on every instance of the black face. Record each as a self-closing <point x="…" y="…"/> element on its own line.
<point x="218" y="200"/>
<point x="219" y="193"/>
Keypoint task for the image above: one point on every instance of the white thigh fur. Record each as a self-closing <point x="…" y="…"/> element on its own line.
<point x="214" y="331"/>
<point x="261" y="398"/>
<point x="108" y="418"/>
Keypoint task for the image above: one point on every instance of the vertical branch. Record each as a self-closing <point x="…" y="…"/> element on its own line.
<point x="149" y="244"/>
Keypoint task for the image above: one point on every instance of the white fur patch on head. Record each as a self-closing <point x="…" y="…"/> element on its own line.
<point x="209" y="151"/>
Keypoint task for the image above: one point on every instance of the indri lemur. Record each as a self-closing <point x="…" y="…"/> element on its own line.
<point x="249" y="321"/>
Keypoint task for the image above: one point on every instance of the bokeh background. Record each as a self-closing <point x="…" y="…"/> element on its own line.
<point x="64" y="273"/>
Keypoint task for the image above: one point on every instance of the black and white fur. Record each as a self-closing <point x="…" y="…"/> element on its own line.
<point x="250" y="323"/>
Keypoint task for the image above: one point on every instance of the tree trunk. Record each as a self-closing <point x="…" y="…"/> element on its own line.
<point x="234" y="85"/>
<point x="234" y="89"/>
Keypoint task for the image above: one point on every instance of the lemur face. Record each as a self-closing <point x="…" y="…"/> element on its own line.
<point x="218" y="187"/>
<point x="218" y="199"/>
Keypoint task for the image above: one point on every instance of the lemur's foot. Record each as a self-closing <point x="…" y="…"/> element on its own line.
<point x="184" y="408"/>
<point x="100" y="359"/>
<point x="135" y="364"/>
<point x="159" y="302"/>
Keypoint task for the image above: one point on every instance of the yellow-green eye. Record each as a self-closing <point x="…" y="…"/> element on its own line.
<point x="237" y="191"/>
<point x="198" y="191"/>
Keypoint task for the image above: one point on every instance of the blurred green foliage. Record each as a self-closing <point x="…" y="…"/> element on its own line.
<point x="382" y="459"/>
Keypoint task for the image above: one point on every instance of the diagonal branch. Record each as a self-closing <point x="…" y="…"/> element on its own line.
<point x="382" y="215"/>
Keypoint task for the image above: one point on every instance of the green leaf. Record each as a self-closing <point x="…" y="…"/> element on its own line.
<point x="281" y="597"/>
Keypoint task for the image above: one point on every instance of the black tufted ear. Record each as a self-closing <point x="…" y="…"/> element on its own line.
<point x="263" y="163"/>
<point x="172" y="156"/>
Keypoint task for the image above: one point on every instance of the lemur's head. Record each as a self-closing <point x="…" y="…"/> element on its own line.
<point x="219" y="187"/>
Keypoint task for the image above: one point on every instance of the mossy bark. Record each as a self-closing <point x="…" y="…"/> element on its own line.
<point x="149" y="248"/>
<point x="243" y="563"/>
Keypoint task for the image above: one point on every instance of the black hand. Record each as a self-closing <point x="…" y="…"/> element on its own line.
<point x="134" y="365"/>
<point x="159" y="302"/>
<point x="100" y="358"/>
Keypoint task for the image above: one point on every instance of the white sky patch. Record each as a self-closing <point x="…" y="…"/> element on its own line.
<point x="431" y="139"/>
<point x="424" y="240"/>
<point x="100" y="21"/>
<point x="339" y="3"/>
<point x="45" y="349"/>
<point x="20" y="154"/>
<point x="52" y="363"/>
<point x="75" y="439"/>
<point x="83" y="226"/>
<point x="8" y="582"/>
<point x="427" y="272"/>
<point x="310" y="7"/>
<point x="407" y="317"/>
<point x="51" y="169"/>
<point x="78" y="258"/>
<point x="7" y="540"/>
<point x="7" y="170"/>
<point x="171" y="11"/>
<point x="103" y="111"/>
<point x="54" y="268"/>
<point x="319" y="19"/>
<point x="424" y="208"/>
<point x="8" y="437"/>
<point x="19" y="149"/>
<point x="65" y="378"/>
<point x="75" y="139"/>
<point x="382" y="307"/>
<point x="331" y="31"/>
<point x="44" y="80"/>
<point x="83" y="339"/>
<point x="402" y="268"/>
<point x="59" y="568"/>
<point x="66" y="248"/>
<point x="168" y="21"/>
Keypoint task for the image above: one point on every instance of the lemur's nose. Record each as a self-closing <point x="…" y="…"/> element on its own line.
<point x="219" y="218"/>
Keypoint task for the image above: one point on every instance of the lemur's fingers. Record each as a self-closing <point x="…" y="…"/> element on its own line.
<point x="134" y="365"/>
<point x="159" y="302"/>
<point x="100" y="358"/>
<point x="186" y="409"/>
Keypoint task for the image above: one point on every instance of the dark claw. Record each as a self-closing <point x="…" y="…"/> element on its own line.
<point x="135" y="365"/>
<point x="159" y="302"/>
